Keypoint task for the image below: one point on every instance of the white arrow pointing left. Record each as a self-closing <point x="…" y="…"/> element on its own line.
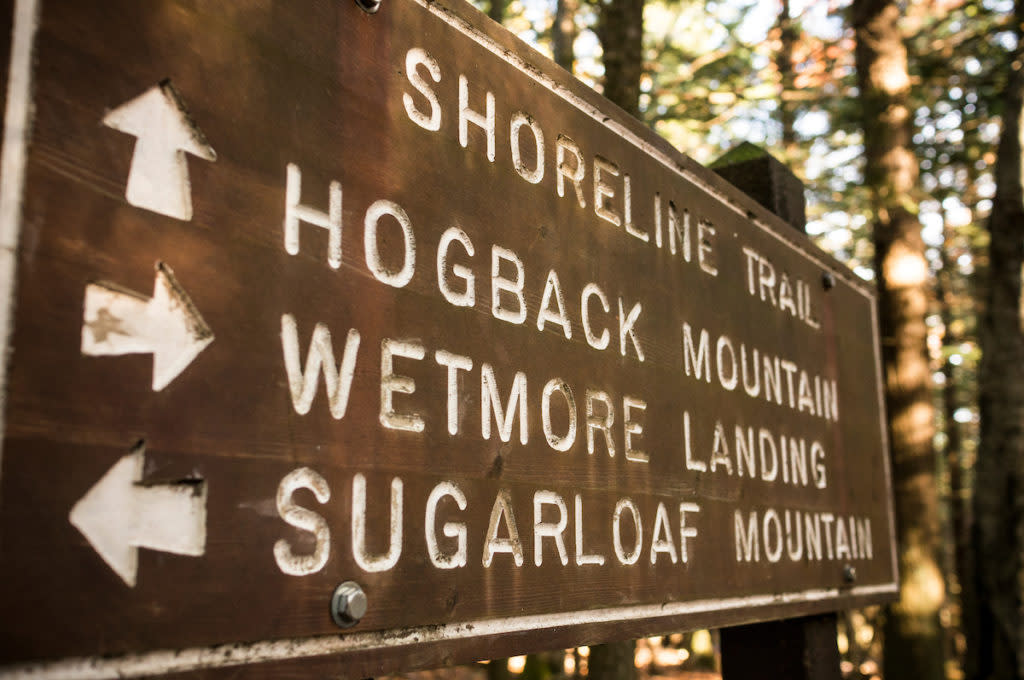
<point x="119" y="321"/>
<point x="118" y="516"/>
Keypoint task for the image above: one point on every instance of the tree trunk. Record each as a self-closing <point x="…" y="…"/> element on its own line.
<point x="563" y="33"/>
<point x="613" y="661"/>
<point x="497" y="669"/>
<point x="996" y="648"/>
<point x="497" y="10"/>
<point x="913" y="632"/>
<point x="958" y="562"/>
<point x="620" y="29"/>
<point x="784" y="62"/>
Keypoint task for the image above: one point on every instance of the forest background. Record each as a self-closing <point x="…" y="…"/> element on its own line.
<point x="903" y="120"/>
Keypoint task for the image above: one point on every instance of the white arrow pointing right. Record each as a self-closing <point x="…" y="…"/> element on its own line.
<point x="119" y="321"/>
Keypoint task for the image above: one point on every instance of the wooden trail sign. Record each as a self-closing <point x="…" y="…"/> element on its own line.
<point x="306" y="296"/>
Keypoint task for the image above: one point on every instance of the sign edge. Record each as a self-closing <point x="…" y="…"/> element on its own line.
<point x="13" y="162"/>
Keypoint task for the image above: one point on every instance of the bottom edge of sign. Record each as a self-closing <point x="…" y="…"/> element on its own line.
<point x="160" y="662"/>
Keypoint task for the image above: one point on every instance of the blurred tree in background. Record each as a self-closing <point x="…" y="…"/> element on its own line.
<point x="913" y="631"/>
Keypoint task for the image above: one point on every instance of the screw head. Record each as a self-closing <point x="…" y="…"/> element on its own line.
<point x="348" y="604"/>
<point x="849" y="574"/>
<point x="828" y="280"/>
<point x="369" y="6"/>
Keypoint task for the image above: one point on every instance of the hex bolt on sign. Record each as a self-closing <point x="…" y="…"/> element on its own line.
<point x="849" y="574"/>
<point x="828" y="280"/>
<point x="369" y="6"/>
<point x="348" y="604"/>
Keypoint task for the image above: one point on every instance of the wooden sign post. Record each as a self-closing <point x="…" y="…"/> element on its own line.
<point x="350" y="342"/>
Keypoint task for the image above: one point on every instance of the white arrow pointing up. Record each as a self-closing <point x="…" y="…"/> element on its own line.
<point x="119" y="321"/>
<point x="118" y="516"/>
<point x="158" y="178"/>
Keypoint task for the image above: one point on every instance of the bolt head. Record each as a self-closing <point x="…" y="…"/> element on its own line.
<point x="849" y="574"/>
<point x="828" y="280"/>
<point x="348" y="604"/>
<point x="369" y="6"/>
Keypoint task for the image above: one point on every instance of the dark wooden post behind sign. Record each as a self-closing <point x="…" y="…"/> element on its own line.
<point x="802" y="648"/>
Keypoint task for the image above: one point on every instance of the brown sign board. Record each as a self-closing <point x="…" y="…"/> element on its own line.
<point x="303" y="295"/>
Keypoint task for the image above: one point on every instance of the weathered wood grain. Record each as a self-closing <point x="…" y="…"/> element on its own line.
<point x="323" y="87"/>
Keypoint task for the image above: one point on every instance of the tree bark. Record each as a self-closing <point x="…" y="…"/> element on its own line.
<point x="913" y="632"/>
<point x="784" y="62"/>
<point x="497" y="669"/>
<point x="620" y="29"/>
<point x="497" y="10"/>
<point x="996" y="641"/>
<point x="959" y="561"/>
<point x="613" y="661"/>
<point x="563" y="33"/>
